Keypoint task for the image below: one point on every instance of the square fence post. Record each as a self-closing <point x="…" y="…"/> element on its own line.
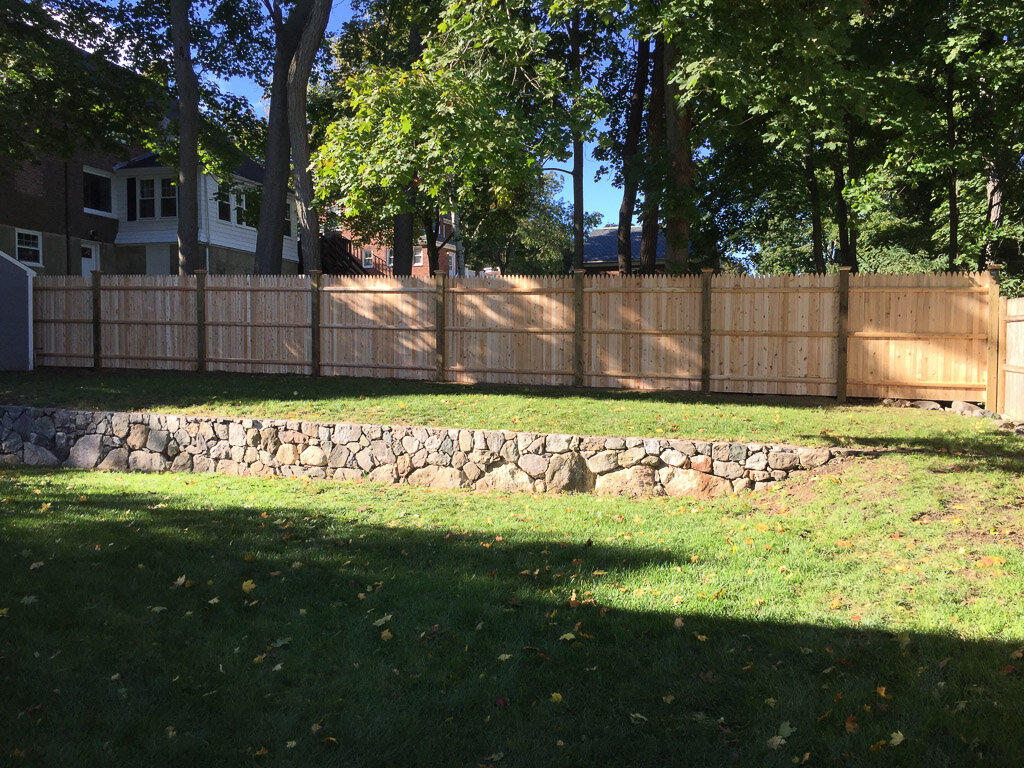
<point x="97" y="320"/>
<point x="992" y="340"/>
<point x="314" y="320"/>
<point x="705" y="330"/>
<point x="440" y="341"/>
<point x="201" y="320"/>
<point x="578" y="363"/>
<point x="842" y="332"/>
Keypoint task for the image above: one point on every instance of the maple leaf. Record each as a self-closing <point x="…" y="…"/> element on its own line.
<point x="852" y="724"/>
<point x="668" y="699"/>
<point x="678" y="623"/>
<point x="775" y="742"/>
<point x="386" y="635"/>
<point x="556" y="698"/>
<point x="248" y="586"/>
<point x="786" y="730"/>
<point x="896" y="738"/>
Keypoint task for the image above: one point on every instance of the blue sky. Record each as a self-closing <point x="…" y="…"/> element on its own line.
<point x="600" y="197"/>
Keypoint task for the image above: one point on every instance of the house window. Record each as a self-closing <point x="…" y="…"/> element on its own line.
<point x="367" y="258"/>
<point x="240" y="209"/>
<point x="287" y="219"/>
<point x="96" y="192"/>
<point x="417" y="258"/>
<point x="29" y="246"/>
<point x="223" y="202"/>
<point x="391" y="258"/>
<point x="168" y="198"/>
<point x="147" y="198"/>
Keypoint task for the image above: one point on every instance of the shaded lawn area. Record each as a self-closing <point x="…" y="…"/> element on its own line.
<point x="805" y="421"/>
<point x="869" y="617"/>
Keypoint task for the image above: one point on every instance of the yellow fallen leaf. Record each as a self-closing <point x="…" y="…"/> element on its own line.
<point x="896" y="738"/>
<point x="556" y="698"/>
<point x="213" y="600"/>
<point x="261" y="751"/>
<point x="568" y="636"/>
<point x="505" y="657"/>
<point x="386" y="635"/>
<point x="775" y="742"/>
<point x="668" y="699"/>
<point x="290" y="744"/>
<point x="248" y="586"/>
<point x="383" y="620"/>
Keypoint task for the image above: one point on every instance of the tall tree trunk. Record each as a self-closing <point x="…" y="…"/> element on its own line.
<point x="405" y="223"/>
<point x="846" y="256"/>
<point x="851" y="168"/>
<point x="576" y="72"/>
<point x="817" y="238"/>
<point x="954" y="208"/>
<point x="270" y="235"/>
<point x="653" y="186"/>
<point x="460" y="248"/>
<point x="298" y="132"/>
<point x="994" y="193"/>
<point x="188" y="139"/>
<point x="634" y="120"/>
<point x="678" y="123"/>
<point x="431" y="222"/>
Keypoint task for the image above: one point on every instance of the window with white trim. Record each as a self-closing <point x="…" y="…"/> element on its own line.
<point x="287" y="219"/>
<point x="168" y="198"/>
<point x="223" y="202"/>
<point x="147" y="198"/>
<point x="29" y="246"/>
<point x="367" y="258"/>
<point x="96" y="192"/>
<point x="391" y="258"/>
<point x="417" y="258"/>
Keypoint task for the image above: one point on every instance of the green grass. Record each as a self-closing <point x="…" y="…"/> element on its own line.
<point x="674" y="633"/>
<point x="807" y="421"/>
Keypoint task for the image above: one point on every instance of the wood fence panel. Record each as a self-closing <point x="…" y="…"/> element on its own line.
<point x="258" y="324"/>
<point x="1013" y="367"/>
<point x="918" y="336"/>
<point x="377" y="327"/>
<point x="510" y="330"/>
<point x="62" y="314"/>
<point x="642" y="332"/>
<point x="148" y="322"/>
<point x="774" y="335"/>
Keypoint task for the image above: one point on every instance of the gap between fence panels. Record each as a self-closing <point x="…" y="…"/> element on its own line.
<point x="929" y="334"/>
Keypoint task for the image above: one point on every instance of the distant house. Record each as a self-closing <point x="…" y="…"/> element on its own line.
<point x="601" y="250"/>
<point x="378" y="259"/>
<point x="121" y="216"/>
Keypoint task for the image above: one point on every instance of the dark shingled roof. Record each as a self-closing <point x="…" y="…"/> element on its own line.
<point x="249" y="169"/>
<point x="602" y="246"/>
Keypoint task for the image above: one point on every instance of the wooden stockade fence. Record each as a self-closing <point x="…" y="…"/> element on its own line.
<point x="1011" y="388"/>
<point x="839" y="335"/>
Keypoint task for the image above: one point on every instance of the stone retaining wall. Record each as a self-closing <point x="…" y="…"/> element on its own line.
<point x="431" y="456"/>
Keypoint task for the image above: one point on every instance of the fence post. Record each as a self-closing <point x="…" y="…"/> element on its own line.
<point x="842" y="332"/>
<point x="314" y="320"/>
<point x="1001" y="395"/>
<point x="578" y="366"/>
<point x="440" y="281"/>
<point x="201" y="320"/>
<point x="97" y="323"/>
<point x="705" y="330"/>
<point x="992" y="342"/>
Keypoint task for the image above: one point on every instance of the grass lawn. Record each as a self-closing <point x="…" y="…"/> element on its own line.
<point x="806" y="421"/>
<point x="873" y="617"/>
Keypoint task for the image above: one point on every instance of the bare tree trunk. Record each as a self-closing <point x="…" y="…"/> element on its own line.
<point x="405" y="223"/>
<point x="994" y="193"/>
<point x="655" y="147"/>
<point x="846" y="256"/>
<point x="678" y="123"/>
<point x="270" y="235"/>
<point x="634" y="121"/>
<point x="817" y="238"/>
<point x="954" y="208"/>
<point x="576" y="70"/>
<point x="298" y="132"/>
<point x="188" y="139"/>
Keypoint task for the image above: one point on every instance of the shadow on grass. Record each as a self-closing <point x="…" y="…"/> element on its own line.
<point x="375" y="646"/>
<point x="990" y="450"/>
<point x="137" y="390"/>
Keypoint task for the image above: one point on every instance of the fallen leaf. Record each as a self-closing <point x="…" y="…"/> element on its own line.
<point x="213" y="600"/>
<point x="29" y="600"/>
<point x="896" y="738"/>
<point x="852" y="724"/>
<point x="36" y="565"/>
<point x="636" y="717"/>
<point x="786" y="730"/>
<point x="248" y="586"/>
<point x="382" y="620"/>
<point x="568" y="636"/>
<point x="775" y="742"/>
<point x="668" y="699"/>
<point x="556" y="698"/>
<point x="178" y="582"/>
<point x="505" y="657"/>
<point x="386" y="635"/>
<point x="261" y="751"/>
<point x="158" y="609"/>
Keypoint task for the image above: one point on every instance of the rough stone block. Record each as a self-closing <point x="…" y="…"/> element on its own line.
<point x="636" y="482"/>
<point x="85" y="454"/>
<point x="783" y="460"/>
<point x="144" y="461"/>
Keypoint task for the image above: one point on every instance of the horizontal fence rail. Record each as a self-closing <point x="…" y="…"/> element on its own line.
<point x="907" y="336"/>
